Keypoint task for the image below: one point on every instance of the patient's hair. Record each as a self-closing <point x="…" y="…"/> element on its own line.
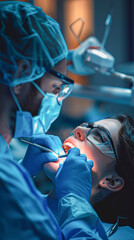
<point x="122" y="203"/>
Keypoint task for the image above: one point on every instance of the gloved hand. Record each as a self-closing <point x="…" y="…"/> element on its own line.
<point x="35" y="158"/>
<point x="74" y="175"/>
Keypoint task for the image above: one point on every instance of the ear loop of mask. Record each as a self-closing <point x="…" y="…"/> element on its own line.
<point x="38" y="88"/>
<point x="43" y="94"/>
<point x="15" y="99"/>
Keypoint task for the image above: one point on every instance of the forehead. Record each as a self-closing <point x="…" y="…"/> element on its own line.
<point x="112" y="125"/>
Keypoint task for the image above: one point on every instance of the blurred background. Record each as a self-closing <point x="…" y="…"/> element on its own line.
<point x="120" y="44"/>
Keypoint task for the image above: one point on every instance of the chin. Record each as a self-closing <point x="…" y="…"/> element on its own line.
<point x="51" y="168"/>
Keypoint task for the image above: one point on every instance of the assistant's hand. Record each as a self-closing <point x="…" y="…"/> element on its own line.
<point x="35" y="158"/>
<point x="74" y="176"/>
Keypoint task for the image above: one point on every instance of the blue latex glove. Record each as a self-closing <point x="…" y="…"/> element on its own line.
<point x="74" y="175"/>
<point x="35" y="158"/>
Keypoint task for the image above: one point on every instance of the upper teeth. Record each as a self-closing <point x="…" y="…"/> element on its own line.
<point x="69" y="145"/>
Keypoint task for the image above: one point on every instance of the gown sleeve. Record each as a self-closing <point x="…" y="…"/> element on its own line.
<point x="78" y="220"/>
<point x="24" y="213"/>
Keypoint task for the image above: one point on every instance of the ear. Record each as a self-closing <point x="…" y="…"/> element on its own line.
<point x="23" y="68"/>
<point x="17" y="89"/>
<point x="22" y="71"/>
<point x="112" y="183"/>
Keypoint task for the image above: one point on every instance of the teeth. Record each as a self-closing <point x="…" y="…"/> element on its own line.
<point x="67" y="146"/>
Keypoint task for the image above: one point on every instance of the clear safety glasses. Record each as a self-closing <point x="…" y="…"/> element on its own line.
<point x="65" y="88"/>
<point x="100" y="138"/>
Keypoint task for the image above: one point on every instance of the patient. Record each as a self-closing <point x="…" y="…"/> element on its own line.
<point x="110" y="144"/>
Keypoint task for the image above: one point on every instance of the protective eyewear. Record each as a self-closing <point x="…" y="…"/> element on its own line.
<point x="100" y="138"/>
<point x="65" y="88"/>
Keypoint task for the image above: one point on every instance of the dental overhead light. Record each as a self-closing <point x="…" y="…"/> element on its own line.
<point x="91" y="57"/>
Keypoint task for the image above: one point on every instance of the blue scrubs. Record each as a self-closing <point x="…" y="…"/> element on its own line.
<point x="24" y="213"/>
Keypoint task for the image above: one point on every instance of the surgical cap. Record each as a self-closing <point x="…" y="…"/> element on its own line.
<point x="27" y="34"/>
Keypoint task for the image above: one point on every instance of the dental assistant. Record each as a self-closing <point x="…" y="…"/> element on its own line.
<point x="32" y="88"/>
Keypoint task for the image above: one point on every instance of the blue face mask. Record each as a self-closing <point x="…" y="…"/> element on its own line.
<point x="48" y="113"/>
<point x="23" y="124"/>
<point x="27" y="126"/>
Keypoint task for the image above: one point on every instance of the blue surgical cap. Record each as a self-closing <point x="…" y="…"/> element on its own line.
<point x="27" y="34"/>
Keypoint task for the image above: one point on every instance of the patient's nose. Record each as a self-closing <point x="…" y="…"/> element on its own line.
<point x="80" y="133"/>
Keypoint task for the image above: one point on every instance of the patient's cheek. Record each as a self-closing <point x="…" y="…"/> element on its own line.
<point x="52" y="167"/>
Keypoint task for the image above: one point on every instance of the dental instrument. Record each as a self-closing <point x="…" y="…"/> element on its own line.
<point x="44" y="149"/>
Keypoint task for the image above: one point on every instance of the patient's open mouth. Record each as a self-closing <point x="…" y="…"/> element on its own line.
<point x="67" y="146"/>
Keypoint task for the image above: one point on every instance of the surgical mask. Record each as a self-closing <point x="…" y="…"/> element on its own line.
<point x="48" y="113"/>
<point x="26" y="125"/>
<point x="24" y="121"/>
<point x="51" y="103"/>
<point x="23" y="124"/>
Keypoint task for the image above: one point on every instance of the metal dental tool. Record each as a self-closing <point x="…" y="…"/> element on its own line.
<point x="44" y="149"/>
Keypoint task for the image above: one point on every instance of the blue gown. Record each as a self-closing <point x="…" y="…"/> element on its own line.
<point x="25" y="215"/>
